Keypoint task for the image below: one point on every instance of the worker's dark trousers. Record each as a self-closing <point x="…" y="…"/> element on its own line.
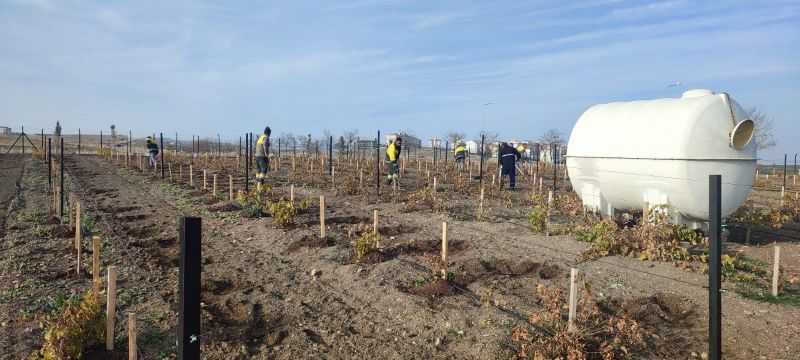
<point x="512" y="175"/>
<point x="262" y="167"/>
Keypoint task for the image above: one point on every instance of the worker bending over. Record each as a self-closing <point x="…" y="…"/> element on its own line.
<point x="460" y="154"/>
<point x="507" y="159"/>
<point x="392" y="155"/>
<point x="152" y="149"/>
<point x="262" y="156"/>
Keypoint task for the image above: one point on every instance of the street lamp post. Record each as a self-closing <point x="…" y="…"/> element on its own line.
<point x="483" y="121"/>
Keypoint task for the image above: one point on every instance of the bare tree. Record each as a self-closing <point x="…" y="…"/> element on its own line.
<point x="350" y="137"/>
<point x="765" y="125"/>
<point x="552" y="137"/>
<point x="489" y="137"/>
<point x="455" y="136"/>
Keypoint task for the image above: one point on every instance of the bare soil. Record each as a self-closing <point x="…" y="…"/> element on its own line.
<point x="271" y="293"/>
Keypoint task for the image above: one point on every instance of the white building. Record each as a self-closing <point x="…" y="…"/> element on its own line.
<point x="5" y="130"/>
<point x="408" y="140"/>
<point x="435" y="143"/>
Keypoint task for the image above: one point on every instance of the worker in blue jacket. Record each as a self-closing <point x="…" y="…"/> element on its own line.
<point x="507" y="158"/>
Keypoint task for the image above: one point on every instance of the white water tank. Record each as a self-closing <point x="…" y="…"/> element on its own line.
<point x="662" y="151"/>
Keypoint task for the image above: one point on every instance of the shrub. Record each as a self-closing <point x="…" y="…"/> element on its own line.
<point x="595" y="335"/>
<point x="282" y="211"/>
<point x="656" y="240"/>
<point x="538" y="215"/>
<point x="78" y="328"/>
<point x="367" y="242"/>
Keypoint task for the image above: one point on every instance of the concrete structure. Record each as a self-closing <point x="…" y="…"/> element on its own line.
<point x="5" y="130"/>
<point x="661" y="152"/>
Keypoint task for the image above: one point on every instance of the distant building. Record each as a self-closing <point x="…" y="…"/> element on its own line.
<point x="408" y="140"/>
<point x="435" y="143"/>
<point x="366" y="144"/>
<point x="546" y="153"/>
<point x="472" y="146"/>
<point x="5" y="130"/>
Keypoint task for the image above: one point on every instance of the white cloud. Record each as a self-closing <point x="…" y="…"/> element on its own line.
<point x="656" y="8"/>
<point x="430" y="20"/>
<point x="115" y="20"/>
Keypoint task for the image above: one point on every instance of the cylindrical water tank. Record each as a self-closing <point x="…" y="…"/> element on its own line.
<point x="623" y="154"/>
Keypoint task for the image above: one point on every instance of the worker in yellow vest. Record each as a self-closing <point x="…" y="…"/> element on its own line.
<point x="262" y="155"/>
<point x="460" y="154"/>
<point x="392" y="155"/>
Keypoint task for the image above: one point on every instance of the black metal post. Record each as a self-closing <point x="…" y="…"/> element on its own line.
<point x="480" y="178"/>
<point x="250" y="147"/>
<point x="279" y="149"/>
<point x="50" y="162"/>
<point x="61" y="194"/>
<point x="189" y="288"/>
<point x="294" y="147"/>
<point x="435" y="150"/>
<point x="161" y="137"/>
<point x="446" y="145"/>
<point x="247" y="162"/>
<point x="378" y="163"/>
<point x="101" y="139"/>
<point x="79" y="140"/>
<point x="219" y="146"/>
<point x="240" y="147"/>
<point x="784" y="169"/>
<point x="176" y="143"/>
<point x="23" y="140"/>
<point x="714" y="267"/>
<point x="795" y="165"/>
<point x="42" y="141"/>
<point x="330" y="156"/>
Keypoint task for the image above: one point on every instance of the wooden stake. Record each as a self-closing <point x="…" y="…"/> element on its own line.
<point x="96" y="264"/>
<point x="132" y="349"/>
<point x="444" y="250"/>
<point x="205" y="183"/>
<point x="434" y="184"/>
<point x="646" y="212"/>
<point x="480" y="208"/>
<point x="111" y="306"/>
<point x="191" y="176"/>
<point x="375" y="222"/>
<point x="782" y="192"/>
<point x="547" y="219"/>
<point x="573" y="299"/>
<point x="776" y="271"/>
<point x="169" y="169"/>
<point x="291" y="194"/>
<point x="322" y="216"/>
<point x="214" y="187"/>
<point x="78" y="230"/>
<point x="230" y="188"/>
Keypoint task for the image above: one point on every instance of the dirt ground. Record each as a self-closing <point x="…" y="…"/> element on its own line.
<point x="283" y="294"/>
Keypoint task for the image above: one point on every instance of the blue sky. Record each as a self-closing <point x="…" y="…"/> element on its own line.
<point x="233" y="66"/>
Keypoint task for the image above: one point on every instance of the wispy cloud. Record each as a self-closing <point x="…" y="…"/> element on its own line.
<point x="426" y="65"/>
<point x="427" y="21"/>
<point x="653" y="9"/>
